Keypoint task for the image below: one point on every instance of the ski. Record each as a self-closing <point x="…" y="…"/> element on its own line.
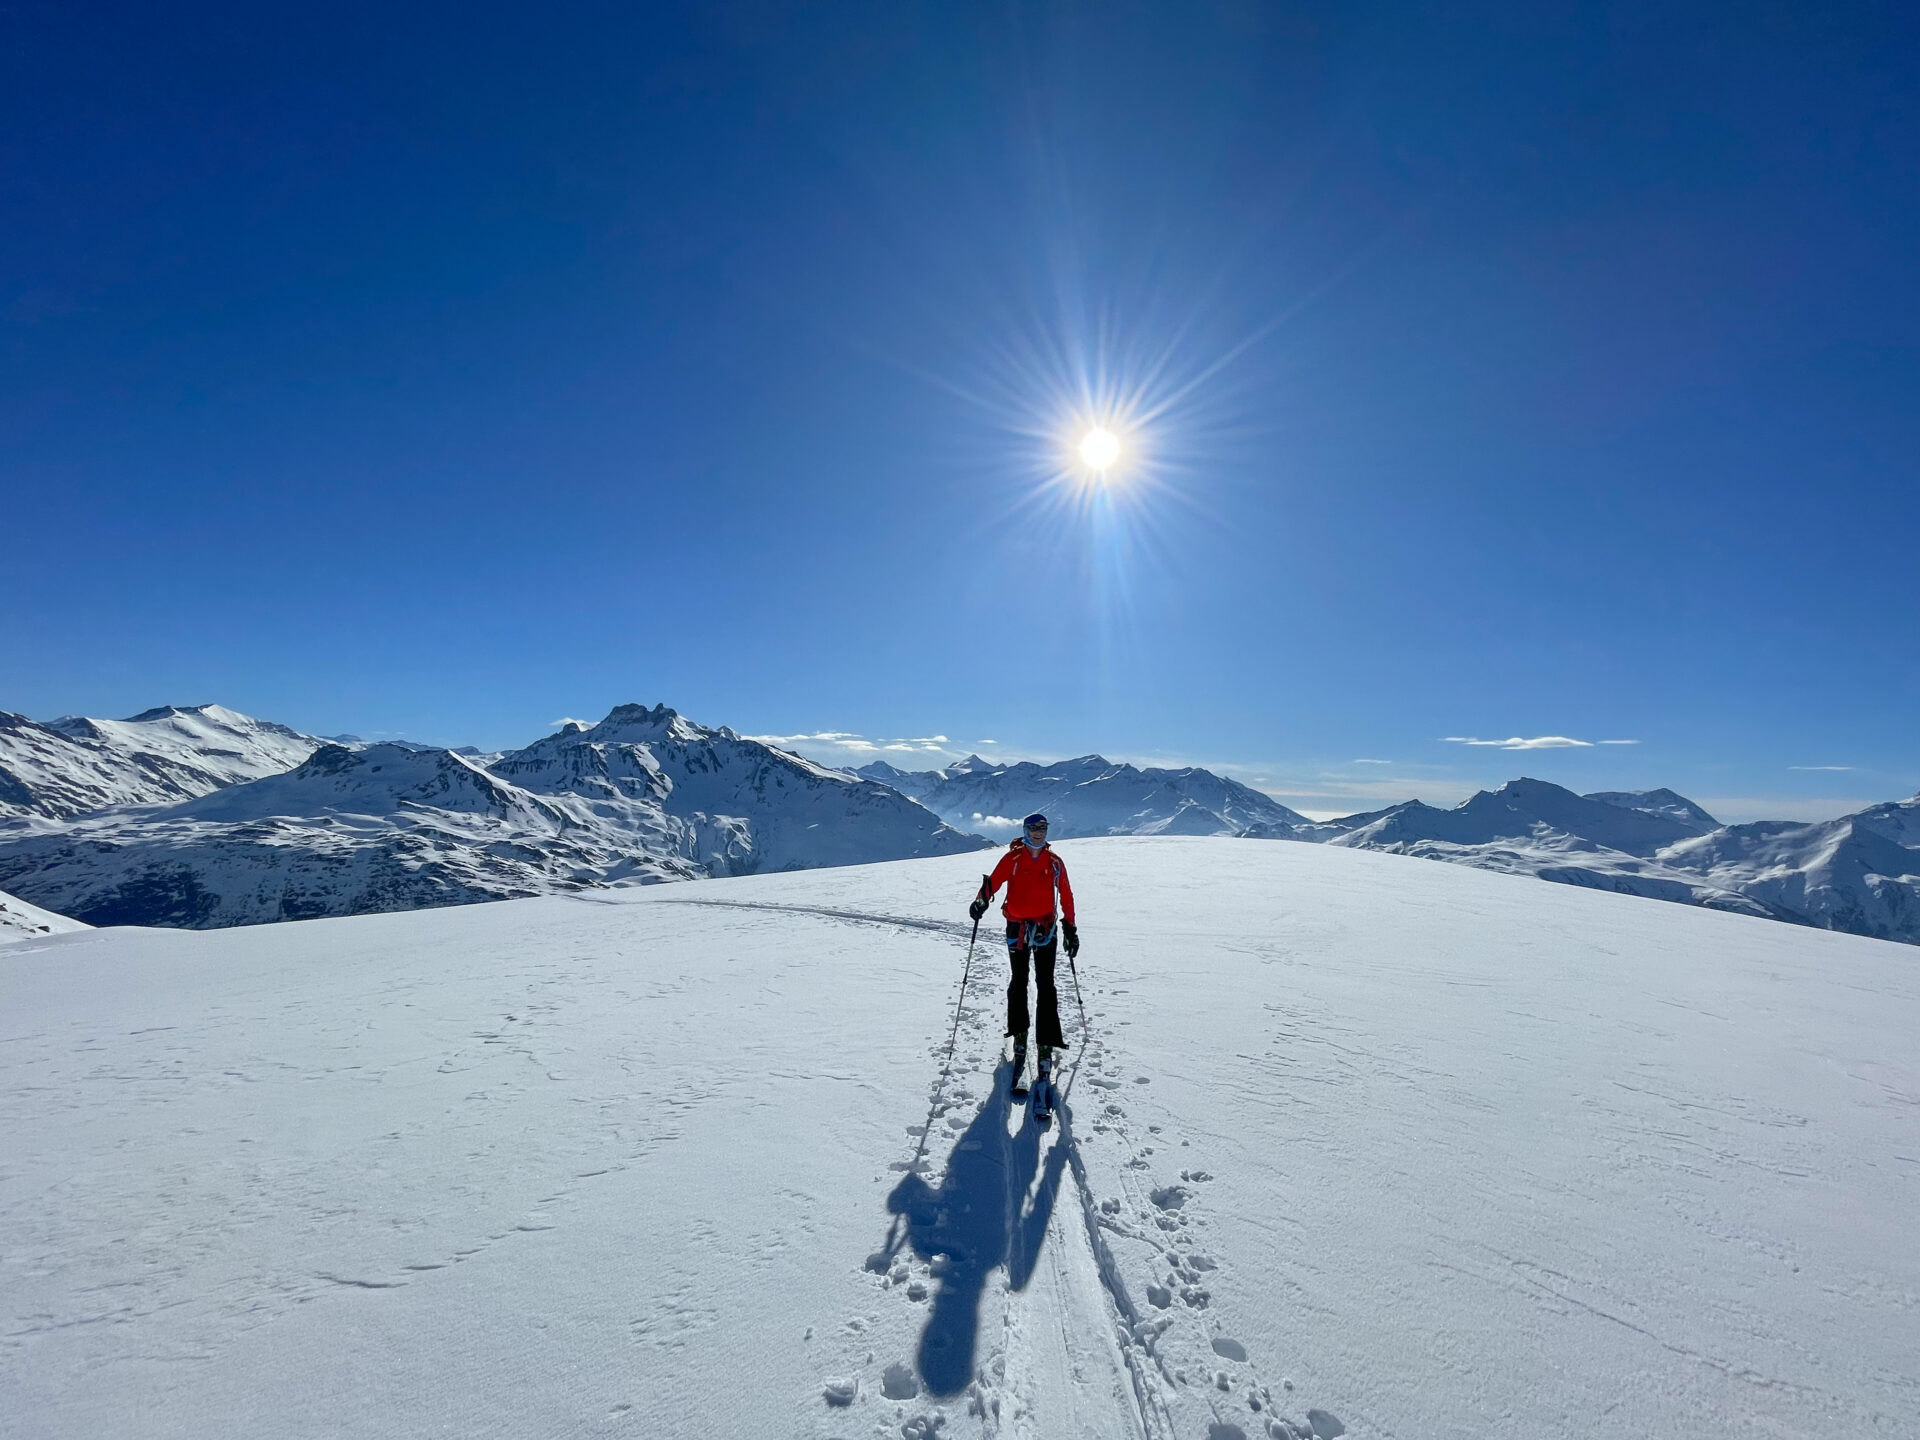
<point x="1043" y="1097"/>
<point x="1018" y="1088"/>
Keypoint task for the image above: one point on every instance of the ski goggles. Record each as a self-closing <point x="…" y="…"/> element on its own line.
<point x="1036" y="825"/>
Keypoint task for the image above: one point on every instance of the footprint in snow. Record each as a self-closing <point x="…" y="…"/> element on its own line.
<point x="840" y="1391"/>
<point x="1229" y="1349"/>
<point x="899" y="1382"/>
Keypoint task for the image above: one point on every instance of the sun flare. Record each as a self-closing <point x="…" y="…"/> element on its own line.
<point x="1099" y="448"/>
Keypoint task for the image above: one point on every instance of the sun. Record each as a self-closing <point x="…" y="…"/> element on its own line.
<point x="1099" y="448"/>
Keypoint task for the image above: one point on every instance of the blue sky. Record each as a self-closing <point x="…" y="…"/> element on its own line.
<point x="1498" y="373"/>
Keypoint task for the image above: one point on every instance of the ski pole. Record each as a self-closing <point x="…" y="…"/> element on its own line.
<point x="1074" y="970"/>
<point x="953" y="1037"/>
<point x="897" y="1232"/>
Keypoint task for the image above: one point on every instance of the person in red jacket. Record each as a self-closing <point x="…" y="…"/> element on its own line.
<point x="1032" y="874"/>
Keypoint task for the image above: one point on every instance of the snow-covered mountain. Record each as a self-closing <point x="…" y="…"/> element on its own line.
<point x="75" y="766"/>
<point x="1860" y="873"/>
<point x="1358" y="1147"/>
<point x="21" y="921"/>
<point x="1090" y="796"/>
<point x="1672" y="805"/>
<point x="644" y="796"/>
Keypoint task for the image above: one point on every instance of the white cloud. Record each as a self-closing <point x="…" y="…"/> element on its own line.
<point x="1619" y="742"/>
<point x="842" y="747"/>
<point x="1517" y="742"/>
<point x="986" y="742"/>
<point x="1372" y="762"/>
<point x="1819" y="767"/>
<point x="563" y="720"/>
<point x="987" y="824"/>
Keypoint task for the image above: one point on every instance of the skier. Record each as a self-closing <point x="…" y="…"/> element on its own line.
<point x="1032" y="872"/>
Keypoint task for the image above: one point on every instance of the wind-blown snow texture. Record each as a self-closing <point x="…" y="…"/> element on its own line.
<point x="643" y="796"/>
<point x="74" y="766"/>
<point x="1089" y="796"/>
<point x="1355" y="1145"/>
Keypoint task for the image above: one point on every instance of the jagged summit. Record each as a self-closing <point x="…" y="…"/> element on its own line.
<point x="639" y="723"/>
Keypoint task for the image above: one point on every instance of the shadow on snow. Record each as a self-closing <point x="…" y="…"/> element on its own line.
<point x="986" y="1212"/>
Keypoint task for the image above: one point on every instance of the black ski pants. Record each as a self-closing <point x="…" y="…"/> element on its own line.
<point x="1033" y="940"/>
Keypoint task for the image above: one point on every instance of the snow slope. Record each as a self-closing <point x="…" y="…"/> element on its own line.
<point x="644" y="796"/>
<point x="74" y="766"/>
<point x="1089" y="796"/>
<point x="1385" y="1148"/>
<point x="21" y="921"/>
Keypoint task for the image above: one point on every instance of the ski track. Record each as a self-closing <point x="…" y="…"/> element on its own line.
<point x="1121" y="1300"/>
<point x="1069" y="1351"/>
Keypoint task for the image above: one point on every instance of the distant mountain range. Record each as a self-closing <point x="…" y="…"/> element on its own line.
<point x="645" y="795"/>
<point x="1860" y="873"/>
<point x="1089" y="796"/>
<point x="205" y="817"/>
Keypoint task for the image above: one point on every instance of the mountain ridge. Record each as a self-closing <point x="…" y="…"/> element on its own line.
<point x="196" y="815"/>
<point x="1089" y="795"/>
<point x="644" y="796"/>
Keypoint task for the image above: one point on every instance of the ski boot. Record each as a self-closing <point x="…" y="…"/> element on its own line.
<point x="1018" y="1085"/>
<point x="1043" y="1089"/>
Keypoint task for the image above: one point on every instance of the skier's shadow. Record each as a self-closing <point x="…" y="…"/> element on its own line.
<point x="986" y="1213"/>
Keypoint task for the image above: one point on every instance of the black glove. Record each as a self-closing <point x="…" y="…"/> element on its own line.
<point x="978" y="907"/>
<point x="1073" y="938"/>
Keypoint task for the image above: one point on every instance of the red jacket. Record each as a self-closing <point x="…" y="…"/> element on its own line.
<point x="1030" y="880"/>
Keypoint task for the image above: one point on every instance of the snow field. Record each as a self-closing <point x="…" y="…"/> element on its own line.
<point x="1358" y="1144"/>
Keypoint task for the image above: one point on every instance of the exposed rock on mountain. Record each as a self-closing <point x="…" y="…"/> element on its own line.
<point x="644" y="796"/>
<point x="1860" y="873"/>
<point x="1090" y="796"/>
<point x="21" y="921"/>
<point x="75" y="766"/>
<point x="1521" y="809"/>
